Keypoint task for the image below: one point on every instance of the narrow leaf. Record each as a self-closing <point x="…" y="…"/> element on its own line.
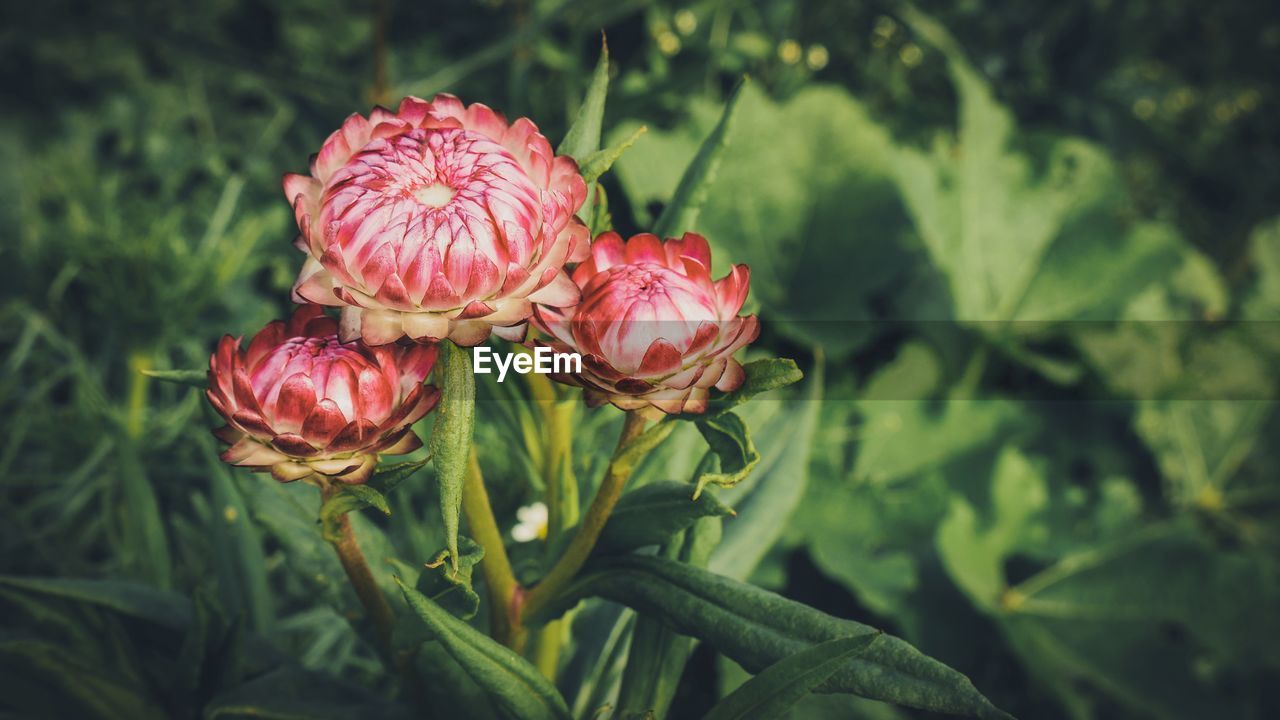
<point x="728" y="438"/>
<point x="128" y="598"/>
<point x="584" y="134"/>
<point x="771" y="693"/>
<point x="756" y="628"/>
<point x="515" y="685"/>
<point x="371" y="494"/>
<point x="761" y="376"/>
<point x="195" y="378"/>
<point x="451" y="436"/>
<point x="599" y="162"/>
<point x="651" y="514"/>
<point x="681" y="213"/>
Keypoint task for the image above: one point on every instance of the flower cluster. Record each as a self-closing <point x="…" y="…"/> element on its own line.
<point x="443" y="221"/>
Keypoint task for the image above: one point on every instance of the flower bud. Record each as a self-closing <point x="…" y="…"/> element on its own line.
<point x="300" y="403"/>
<point x="654" y="330"/>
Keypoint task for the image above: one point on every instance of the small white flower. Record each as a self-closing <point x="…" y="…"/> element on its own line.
<point x="532" y="523"/>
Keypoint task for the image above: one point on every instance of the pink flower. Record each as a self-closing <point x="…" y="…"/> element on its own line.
<point x="299" y="402"/>
<point x="653" y="328"/>
<point x="439" y="220"/>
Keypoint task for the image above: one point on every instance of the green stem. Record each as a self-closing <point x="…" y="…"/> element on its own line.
<point x="361" y="577"/>
<point x="504" y="625"/>
<point x="615" y="478"/>
<point x="546" y="648"/>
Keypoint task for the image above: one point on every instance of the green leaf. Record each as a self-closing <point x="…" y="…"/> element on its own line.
<point x="757" y="628"/>
<point x="451" y="435"/>
<point x="350" y="498"/>
<point x="766" y="500"/>
<point x="198" y="379"/>
<point x="761" y="376"/>
<point x="974" y="555"/>
<point x="133" y="599"/>
<point x="1138" y="619"/>
<point x="514" y="684"/>
<point x="816" y="267"/>
<point x="681" y="212"/>
<point x="771" y="693"/>
<point x="449" y="588"/>
<point x="599" y="162"/>
<point x="657" y="656"/>
<point x="897" y="413"/>
<point x="1026" y="228"/>
<point x="651" y="514"/>
<point x="583" y="136"/>
<point x="728" y="438"/>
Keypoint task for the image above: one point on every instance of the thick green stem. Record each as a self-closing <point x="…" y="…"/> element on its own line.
<point x="361" y="577"/>
<point x="504" y="623"/>
<point x="580" y="547"/>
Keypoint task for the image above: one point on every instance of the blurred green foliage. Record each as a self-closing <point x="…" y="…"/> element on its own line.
<point x="1028" y="255"/>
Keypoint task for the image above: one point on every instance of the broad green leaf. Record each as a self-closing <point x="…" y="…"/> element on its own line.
<point x="515" y="685"/>
<point x="198" y="379"/>
<point x="893" y="445"/>
<point x="599" y="162"/>
<point x="1263" y="303"/>
<point x="814" y="270"/>
<point x="1200" y="445"/>
<point x="757" y="628"/>
<point x="974" y="555"/>
<point x="1139" y="619"/>
<point x="681" y="212"/>
<point x="773" y="692"/>
<point x="583" y="136"/>
<point x="451" y="435"/>
<point x="653" y="513"/>
<point x="728" y="438"/>
<point x="1025" y="231"/>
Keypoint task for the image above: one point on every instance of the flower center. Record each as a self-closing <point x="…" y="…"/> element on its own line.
<point x="435" y="195"/>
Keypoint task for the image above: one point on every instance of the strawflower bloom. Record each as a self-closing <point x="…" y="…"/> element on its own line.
<point x="302" y="404"/>
<point x="439" y="220"/>
<point x="654" y="330"/>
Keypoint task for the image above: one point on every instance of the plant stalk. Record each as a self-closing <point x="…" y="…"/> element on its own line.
<point x="580" y="547"/>
<point x="361" y="577"/>
<point x="504" y="622"/>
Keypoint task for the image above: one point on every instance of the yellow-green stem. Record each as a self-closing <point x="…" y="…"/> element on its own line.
<point x="546" y="648"/>
<point x="615" y="479"/>
<point x="361" y="577"/>
<point x="504" y="623"/>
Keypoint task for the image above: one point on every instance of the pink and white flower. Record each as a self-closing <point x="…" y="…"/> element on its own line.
<point x="654" y="330"/>
<point x="300" y="403"/>
<point x="437" y="221"/>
